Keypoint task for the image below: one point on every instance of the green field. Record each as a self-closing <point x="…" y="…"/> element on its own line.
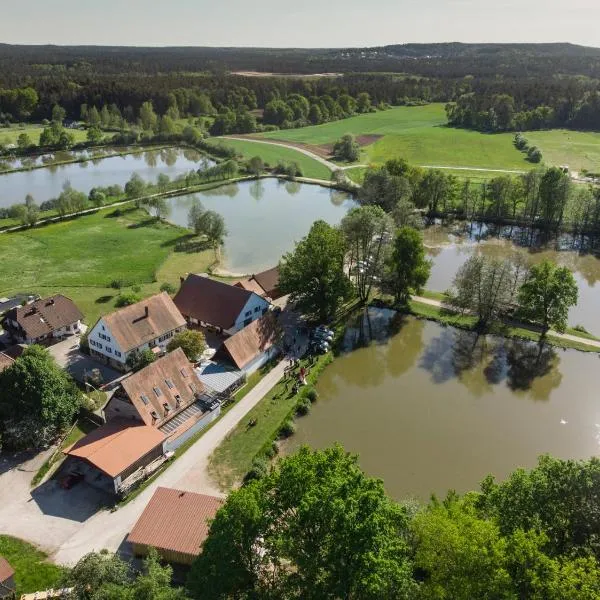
<point x="271" y="154"/>
<point x="33" y="573"/>
<point x="81" y="257"/>
<point x="578" y="149"/>
<point x="419" y="135"/>
<point x="10" y="134"/>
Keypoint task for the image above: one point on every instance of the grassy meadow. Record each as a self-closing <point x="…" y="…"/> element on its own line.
<point x="81" y="257"/>
<point x="271" y="154"/>
<point x="9" y="135"/>
<point x="578" y="149"/>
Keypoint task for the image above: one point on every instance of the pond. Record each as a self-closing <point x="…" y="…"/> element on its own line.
<point x="264" y="218"/>
<point x="449" y="248"/>
<point x="433" y="408"/>
<point x="44" y="184"/>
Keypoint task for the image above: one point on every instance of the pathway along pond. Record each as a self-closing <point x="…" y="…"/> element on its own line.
<point x="44" y="184"/>
<point x="449" y="248"/>
<point x="264" y="218"/>
<point x="434" y="408"/>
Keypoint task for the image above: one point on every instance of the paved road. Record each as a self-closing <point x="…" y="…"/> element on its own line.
<point x="564" y="336"/>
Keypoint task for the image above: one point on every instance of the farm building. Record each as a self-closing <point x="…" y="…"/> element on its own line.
<point x="265" y="284"/>
<point x="7" y="580"/>
<point x="150" y="323"/>
<point x="44" y="321"/>
<point x="168" y="396"/>
<point x="218" y="306"/>
<point x="176" y="523"/>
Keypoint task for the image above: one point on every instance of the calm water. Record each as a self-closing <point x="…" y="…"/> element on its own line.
<point x="450" y="249"/>
<point x="432" y="408"/>
<point x="47" y="183"/>
<point x="264" y="218"/>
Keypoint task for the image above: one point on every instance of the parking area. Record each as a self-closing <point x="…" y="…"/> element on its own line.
<point x="77" y="364"/>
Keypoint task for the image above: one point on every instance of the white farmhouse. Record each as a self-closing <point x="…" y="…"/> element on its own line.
<point x="150" y="323"/>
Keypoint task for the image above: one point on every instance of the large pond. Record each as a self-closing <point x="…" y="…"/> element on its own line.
<point x="264" y="218"/>
<point x="449" y="248"/>
<point x="44" y="184"/>
<point x="433" y="408"/>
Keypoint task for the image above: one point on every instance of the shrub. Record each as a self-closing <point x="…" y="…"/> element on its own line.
<point x="534" y="154"/>
<point x="169" y="288"/>
<point x="303" y="407"/>
<point x="272" y="450"/>
<point x="126" y="299"/>
<point x="581" y="328"/>
<point x="287" y="429"/>
<point x="260" y="467"/>
<point x="312" y="394"/>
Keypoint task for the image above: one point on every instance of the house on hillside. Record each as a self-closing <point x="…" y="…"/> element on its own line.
<point x="150" y="323"/>
<point x="219" y="306"/>
<point x="253" y="346"/>
<point x="175" y="523"/>
<point x="44" y="321"/>
<point x="168" y="396"/>
<point x="8" y="586"/>
<point x="265" y="284"/>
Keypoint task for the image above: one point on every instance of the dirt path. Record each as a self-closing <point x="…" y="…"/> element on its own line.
<point x="562" y="336"/>
<point x="473" y="169"/>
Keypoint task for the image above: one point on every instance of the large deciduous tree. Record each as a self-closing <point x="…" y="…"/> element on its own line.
<point x="38" y="400"/>
<point x="547" y="294"/>
<point x="193" y="343"/>
<point x="347" y="148"/>
<point x="315" y="528"/>
<point x="368" y="231"/>
<point x="408" y="268"/>
<point x="313" y="274"/>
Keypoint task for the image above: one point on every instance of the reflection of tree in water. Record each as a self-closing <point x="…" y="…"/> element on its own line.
<point x="191" y="154"/>
<point x="337" y="197"/>
<point x="84" y="164"/>
<point x="151" y="158"/>
<point x="293" y="187"/>
<point x="437" y="357"/>
<point x="231" y="190"/>
<point x="405" y="345"/>
<point x="169" y="156"/>
<point x="257" y="190"/>
<point x="532" y="368"/>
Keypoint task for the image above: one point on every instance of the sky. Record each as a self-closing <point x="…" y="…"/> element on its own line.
<point x="299" y="23"/>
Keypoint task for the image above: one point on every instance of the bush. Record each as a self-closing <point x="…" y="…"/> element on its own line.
<point x="287" y="429"/>
<point x="260" y="468"/>
<point x="303" y="407"/>
<point x="581" y="328"/>
<point x="312" y="395"/>
<point x="272" y="450"/>
<point x="126" y="299"/>
<point x="169" y="288"/>
<point x="534" y="154"/>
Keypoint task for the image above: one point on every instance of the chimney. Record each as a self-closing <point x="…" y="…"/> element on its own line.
<point x="146" y="312"/>
<point x="51" y="302"/>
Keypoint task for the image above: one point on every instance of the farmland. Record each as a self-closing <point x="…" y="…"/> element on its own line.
<point x="82" y="257"/>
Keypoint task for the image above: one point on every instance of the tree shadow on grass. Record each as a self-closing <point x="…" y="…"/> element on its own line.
<point x="118" y="212"/>
<point x="145" y="223"/>
<point x="189" y="244"/>
<point x="104" y="299"/>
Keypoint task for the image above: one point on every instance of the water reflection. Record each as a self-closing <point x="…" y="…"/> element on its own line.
<point x="433" y="408"/>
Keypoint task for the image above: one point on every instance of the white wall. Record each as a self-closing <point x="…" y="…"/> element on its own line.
<point x="105" y="347"/>
<point x="255" y="307"/>
<point x="260" y="360"/>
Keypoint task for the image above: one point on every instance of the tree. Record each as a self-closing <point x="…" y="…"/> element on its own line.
<point x="193" y="343"/>
<point x="148" y="118"/>
<point x="256" y="165"/>
<point x="195" y="213"/>
<point x="159" y="206"/>
<point x="277" y="112"/>
<point x="38" y="400"/>
<point x="368" y="231"/>
<point x="486" y="287"/>
<point x="547" y="294"/>
<point x="23" y="141"/>
<point x="553" y="195"/>
<point x="363" y="102"/>
<point x="95" y="571"/>
<point x="534" y="154"/>
<point x="137" y="360"/>
<point x="58" y="114"/>
<point x="213" y="227"/>
<point x="135" y="187"/>
<point x="93" y="117"/>
<point x="313" y="274"/>
<point x="347" y="148"/>
<point x="94" y="135"/>
<point x="315" y="527"/>
<point x="408" y="269"/>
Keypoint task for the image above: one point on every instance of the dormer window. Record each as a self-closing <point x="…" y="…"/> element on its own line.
<point x="166" y="407"/>
<point x="145" y="399"/>
<point x="183" y="373"/>
<point x="177" y="401"/>
<point x="157" y="392"/>
<point x="169" y="384"/>
<point x="154" y="417"/>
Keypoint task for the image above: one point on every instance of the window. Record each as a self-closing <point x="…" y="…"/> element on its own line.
<point x="145" y="399"/>
<point x="169" y="384"/>
<point x="117" y="353"/>
<point x="166" y="407"/>
<point x="193" y="387"/>
<point x="256" y="309"/>
<point x="108" y="350"/>
<point x="99" y="346"/>
<point x="103" y="328"/>
<point x="248" y="313"/>
<point x="184" y="372"/>
<point x="157" y="392"/>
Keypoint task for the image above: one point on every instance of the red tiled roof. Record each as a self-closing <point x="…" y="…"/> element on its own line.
<point x="131" y="327"/>
<point x="211" y="301"/>
<point x="174" y="370"/>
<point x="6" y="571"/>
<point x="45" y="316"/>
<point x="251" y="286"/>
<point x="115" y="446"/>
<point x="269" y="281"/>
<point x="5" y="361"/>
<point x="256" y="338"/>
<point x="175" y="520"/>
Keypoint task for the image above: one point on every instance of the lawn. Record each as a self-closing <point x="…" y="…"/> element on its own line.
<point x="33" y="572"/>
<point x="418" y="134"/>
<point x="271" y="154"/>
<point x="578" y="149"/>
<point x="81" y="257"/>
<point x="10" y="134"/>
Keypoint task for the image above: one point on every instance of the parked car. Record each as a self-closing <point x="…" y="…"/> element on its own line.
<point x="319" y="347"/>
<point x="324" y="329"/>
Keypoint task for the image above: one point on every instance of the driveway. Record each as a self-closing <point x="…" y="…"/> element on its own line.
<point x="77" y="364"/>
